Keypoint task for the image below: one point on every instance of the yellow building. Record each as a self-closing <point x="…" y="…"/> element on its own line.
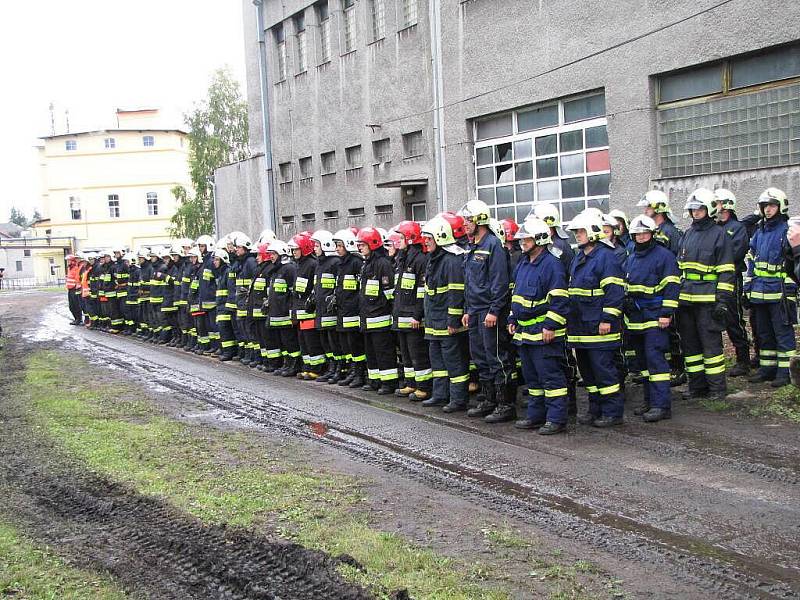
<point x="113" y="186"/>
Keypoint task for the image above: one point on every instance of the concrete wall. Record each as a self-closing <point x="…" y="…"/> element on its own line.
<point x="8" y="261"/>
<point x="496" y="56"/>
<point x="240" y="194"/>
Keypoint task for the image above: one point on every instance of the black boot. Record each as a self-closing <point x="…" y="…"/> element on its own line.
<point x="387" y="387"/>
<point x="269" y="365"/>
<point x="227" y="354"/>
<point x="656" y="414"/>
<point x="551" y="428"/>
<point x="330" y="367"/>
<point x="505" y="410"/>
<point x="282" y="366"/>
<point x="358" y="377"/>
<point x="293" y="367"/>
<point x="742" y="366"/>
<point x="352" y="369"/>
<point x="246" y="357"/>
<point x="486" y="402"/>
<point x="338" y="374"/>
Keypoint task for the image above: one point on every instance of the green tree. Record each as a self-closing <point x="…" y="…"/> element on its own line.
<point x="37" y="216"/>
<point x="17" y="217"/>
<point x="218" y="135"/>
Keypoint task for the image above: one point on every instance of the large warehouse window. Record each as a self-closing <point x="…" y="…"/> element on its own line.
<point x="740" y="113"/>
<point x="557" y="152"/>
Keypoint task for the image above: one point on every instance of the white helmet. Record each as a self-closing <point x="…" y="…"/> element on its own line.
<point x="195" y="251"/>
<point x="222" y="254"/>
<point x="108" y="252"/>
<point x="325" y="240"/>
<point x="154" y="251"/>
<point x="548" y="213"/>
<point x="535" y="229"/>
<point x="702" y="198"/>
<point x="347" y="238"/>
<point x="477" y="211"/>
<point x="232" y="236"/>
<point x="594" y="211"/>
<point x="618" y="214"/>
<point x="116" y="249"/>
<point x="185" y="242"/>
<point x="611" y="222"/>
<point x="177" y="249"/>
<point x="657" y="200"/>
<point x="384" y="234"/>
<point x="642" y="224"/>
<point x="130" y="257"/>
<point x="239" y="239"/>
<point x="496" y="227"/>
<point x="166" y="252"/>
<point x="142" y="253"/>
<point x="278" y="247"/>
<point x="440" y="230"/>
<point x="207" y="241"/>
<point x="725" y="199"/>
<point x="592" y="223"/>
<point x="774" y="196"/>
<point x="267" y="236"/>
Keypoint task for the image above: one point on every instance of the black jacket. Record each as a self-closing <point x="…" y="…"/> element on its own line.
<point x="409" y="291"/>
<point x="327" y="270"/>
<point x="281" y="288"/>
<point x="244" y="279"/>
<point x="347" y="301"/>
<point x="444" y="293"/>
<point x="303" y="288"/>
<point x="705" y="258"/>
<point x="376" y="291"/>
<point x="257" y="292"/>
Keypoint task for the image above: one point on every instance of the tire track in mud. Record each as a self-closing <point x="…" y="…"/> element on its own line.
<point x="690" y="559"/>
<point x="152" y="548"/>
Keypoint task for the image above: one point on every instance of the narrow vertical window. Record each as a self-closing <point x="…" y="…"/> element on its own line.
<point x="300" y="29"/>
<point x="409" y="13"/>
<point x="280" y="51"/>
<point x="349" y="25"/>
<point x="377" y="14"/>
<point x="152" y="204"/>
<point x="324" y="32"/>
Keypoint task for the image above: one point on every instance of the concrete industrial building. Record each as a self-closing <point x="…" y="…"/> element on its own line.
<point x="113" y="186"/>
<point x="379" y="110"/>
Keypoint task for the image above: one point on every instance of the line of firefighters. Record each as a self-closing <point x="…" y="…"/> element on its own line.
<point x="466" y="304"/>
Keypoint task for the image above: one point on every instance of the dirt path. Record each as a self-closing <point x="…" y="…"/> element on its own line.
<point x="705" y="505"/>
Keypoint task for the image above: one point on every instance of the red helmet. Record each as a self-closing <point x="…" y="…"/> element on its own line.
<point x="308" y="233"/>
<point x="303" y="242"/>
<point x="456" y="224"/>
<point x="411" y="230"/>
<point x="395" y="237"/>
<point x="371" y="237"/>
<point x="510" y="227"/>
<point x="355" y="230"/>
<point x="262" y="251"/>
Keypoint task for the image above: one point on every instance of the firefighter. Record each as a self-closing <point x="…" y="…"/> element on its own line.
<point x="208" y="295"/>
<point x="510" y="229"/>
<point x="549" y="214"/>
<point x="376" y="293"/>
<point x="132" y="297"/>
<point x="302" y="248"/>
<point x="248" y="346"/>
<point x="656" y="206"/>
<point x="182" y="296"/>
<point x="170" y="285"/>
<point x="443" y="309"/>
<point x="119" y="279"/>
<point x="486" y="299"/>
<point x="265" y="347"/>
<point x="596" y="291"/>
<point x="347" y="312"/>
<point x="105" y="289"/>
<point x="624" y="235"/>
<point x="224" y="317"/>
<point x="143" y="297"/>
<point x="323" y="299"/>
<point x="772" y="290"/>
<point x="740" y="241"/>
<point x="234" y="270"/>
<point x="281" y="291"/>
<point x="85" y="269"/>
<point x="612" y="231"/>
<point x="537" y="322"/>
<point x="195" y="312"/>
<point x="157" y="288"/>
<point x="653" y="283"/>
<point x="73" y="286"/>
<point x="94" y="291"/>
<point x="705" y="258"/>
<point x="408" y="311"/>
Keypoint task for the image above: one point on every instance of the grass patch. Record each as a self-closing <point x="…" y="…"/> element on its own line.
<point x="715" y="405"/>
<point x="233" y="478"/>
<point x="783" y="402"/>
<point x="27" y="571"/>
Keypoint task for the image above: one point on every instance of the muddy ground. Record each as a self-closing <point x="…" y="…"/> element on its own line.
<point x="702" y="506"/>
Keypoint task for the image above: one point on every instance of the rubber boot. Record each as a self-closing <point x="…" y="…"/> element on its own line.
<point x="282" y="365"/>
<point x="349" y="376"/>
<point x="294" y="367"/>
<point x="742" y="366"/>
<point x="485" y="406"/>
<point x="338" y="374"/>
<point x="227" y="354"/>
<point x="330" y="367"/>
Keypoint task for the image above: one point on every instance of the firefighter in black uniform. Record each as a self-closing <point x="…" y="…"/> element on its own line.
<point x="740" y="241"/>
<point x="266" y="355"/>
<point x="248" y="347"/>
<point x="224" y="313"/>
<point x="303" y="314"/>
<point x="708" y="275"/>
<point x="145" y="275"/>
<point x="408" y="311"/>
<point x="281" y="290"/>
<point x="324" y="301"/>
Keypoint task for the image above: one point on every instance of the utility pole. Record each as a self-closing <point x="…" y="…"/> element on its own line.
<point x="52" y="119"/>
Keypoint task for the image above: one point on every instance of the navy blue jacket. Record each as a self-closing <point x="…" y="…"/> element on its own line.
<point x="768" y="275"/>
<point x="653" y="283"/>
<point x="540" y="299"/>
<point x="669" y="235"/>
<point x="444" y="293"/>
<point x="596" y="291"/>
<point x="740" y="241"/>
<point x="567" y="253"/>
<point x="208" y="283"/>
<point x="486" y="277"/>
<point x="705" y="259"/>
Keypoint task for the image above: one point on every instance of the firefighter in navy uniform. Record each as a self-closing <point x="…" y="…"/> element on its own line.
<point x="208" y="296"/>
<point x="708" y="277"/>
<point x="740" y="241"/>
<point x="594" y="323"/>
<point x="510" y="229"/>
<point x="537" y="322"/>
<point x="408" y="311"/>
<point x="656" y="206"/>
<point x="376" y="293"/>
<point x="266" y="354"/>
<point x="193" y="300"/>
<point x="348" y="323"/>
<point x="549" y="214"/>
<point x="303" y="314"/>
<point x="653" y="284"/>
<point x="323" y="300"/>
<point x="486" y="306"/>
<point x="444" y="307"/>
<point x="119" y="281"/>
<point x="248" y="347"/>
<point x="281" y="291"/>
<point x="145" y="275"/>
<point x="772" y="290"/>
<point x="224" y="317"/>
<point x="157" y="285"/>
<point x="182" y="296"/>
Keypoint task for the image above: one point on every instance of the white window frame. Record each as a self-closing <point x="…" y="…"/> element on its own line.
<point x="302" y="52"/>
<point x="324" y="37"/>
<point x="353" y="157"/>
<point x="408" y="12"/>
<point x="70" y="145"/>
<point x="113" y="203"/>
<point x="75" y="207"/>
<point x="109" y="143"/>
<point x="151" y="198"/>
<point x="349" y="28"/>
<point x="151" y="139"/>
<point x="532" y="135"/>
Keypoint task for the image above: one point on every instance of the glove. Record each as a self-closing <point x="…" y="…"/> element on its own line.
<point x="311" y="302"/>
<point x="720" y="312"/>
<point x="628" y="305"/>
<point x="265" y="304"/>
<point x="330" y="303"/>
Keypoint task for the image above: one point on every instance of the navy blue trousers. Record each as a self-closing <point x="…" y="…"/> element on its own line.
<point x="488" y="347"/>
<point x="651" y="347"/>
<point x="450" y="369"/>
<point x="601" y="377"/>
<point x="775" y="339"/>
<point x="545" y="381"/>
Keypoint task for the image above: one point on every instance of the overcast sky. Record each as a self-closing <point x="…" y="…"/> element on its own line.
<point x="94" y="56"/>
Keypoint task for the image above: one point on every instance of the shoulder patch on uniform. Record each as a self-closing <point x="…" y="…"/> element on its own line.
<point x="385" y="280"/>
